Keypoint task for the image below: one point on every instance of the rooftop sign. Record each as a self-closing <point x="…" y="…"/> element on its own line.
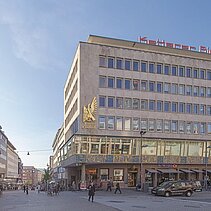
<point x="163" y="43"/>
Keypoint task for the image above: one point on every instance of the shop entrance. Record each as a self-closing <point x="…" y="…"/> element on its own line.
<point x="132" y="179"/>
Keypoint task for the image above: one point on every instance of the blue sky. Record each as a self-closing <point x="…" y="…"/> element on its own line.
<point x="38" y="39"/>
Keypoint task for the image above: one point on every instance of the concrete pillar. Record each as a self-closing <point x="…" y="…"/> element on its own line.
<point x="83" y="173"/>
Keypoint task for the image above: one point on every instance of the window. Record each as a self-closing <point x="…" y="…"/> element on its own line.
<point x="127" y="124"/>
<point x="110" y="82"/>
<point x="160" y="106"/>
<point x="159" y="125"/>
<point x="135" y="65"/>
<point x="209" y="127"/>
<point x="166" y="125"/>
<point x="136" y="103"/>
<point x="135" y="124"/>
<point x="144" y="104"/>
<point x="189" y="72"/>
<point x="202" y="91"/>
<point x="195" y="91"/>
<point x="181" y="126"/>
<point x="127" y="84"/>
<point x="188" y="90"/>
<point x="143" y="85"/>
<point x="119" y="63"/>
<point x="208" y="110"/>
<point x="151" y="105"/>
<point x="143" y="67"/>
<point x="202" y="128"/>
<point x="118" y="174"/>
<point x="111" y="123"/>
<point x="202" y="74"/>
<point x="151" y="125"/>
<point x="174" y="126"/>
<point x="102" y="101"/>
<point x="144" y="124"/>
<point x="195" y="128"/>
<point x="166" y="70"/>
<point x="128" y="103"/>
<point x="189" y="108"/>
<point x="182" y="89"/>
<point x="136" y="84"/>
<point x="151" y="86"/>
<point x="119" y="123"/>
<point x="159" y="68"/>
<point x="104" y="176"/>
<point x="94" y="148"/>
<point x="202" y="109"/>
<point x="119" y="83"/>
<point x="152" y="68"/>
<point x="102" y="122"/>
<point x="189" y="127"/>
<point x="159" y="87"/>
<point x="119" y="102"/>
<point x="110" y="62"/>
<point x="181" y="71"/>
<point x="167" y="88"/>
<point x="102" y="81"/>
<point x="102" y="61"/>
<point x="208" y="92"/>
<point x="181" y="107"/>
<point x="166" y="106"/>
<point x="127" y="64"/>
<point x="111" y="102"/>
<point x="174" y="107"/>
<point x="195" y="73"/>
<point x="174" y="88"/>
<point x="196" y="108"/>
<point x="174" y="70"/>
<point x="209" y="75"/>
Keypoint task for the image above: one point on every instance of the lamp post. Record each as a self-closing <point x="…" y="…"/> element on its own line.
<point x="206" y="162"/>
<point x="142" y="132"/>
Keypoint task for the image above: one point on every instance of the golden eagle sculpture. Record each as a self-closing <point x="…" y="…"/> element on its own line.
<point x="90" y="111"/>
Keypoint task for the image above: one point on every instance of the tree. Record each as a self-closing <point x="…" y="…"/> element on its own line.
<point x="47" y="175"/>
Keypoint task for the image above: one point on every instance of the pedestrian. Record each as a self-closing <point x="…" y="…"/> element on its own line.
<point x="79" y="185"/>
<point x="27" y="190"/>
<point x="91" y="193"/>
<point x="118" y="188"/>
<point x="24" y="188"/>
<point x="109" y="185"/>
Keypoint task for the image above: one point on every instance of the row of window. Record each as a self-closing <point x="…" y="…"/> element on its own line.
<point x="152" y="67"/>
<point x="153" y="125"/>
<point x="152" y="105"/>
<point x="154" y="86"/>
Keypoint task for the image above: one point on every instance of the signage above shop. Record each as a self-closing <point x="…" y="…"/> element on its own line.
<point x="163" y="43"/>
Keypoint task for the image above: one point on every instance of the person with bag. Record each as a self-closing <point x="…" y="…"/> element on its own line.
<point x="91" y="192"/>
<point x="118" y="188"/>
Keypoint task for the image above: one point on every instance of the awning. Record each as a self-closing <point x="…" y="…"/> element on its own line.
<point x="186" y="171"/>
<point x="197" y="170"/>
<point x="169" y="171"/>
<point x="208" y="170"/>
<point x="152" y="170"/>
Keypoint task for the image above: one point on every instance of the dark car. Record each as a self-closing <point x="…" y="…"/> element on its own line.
<point x="174" y="188"/>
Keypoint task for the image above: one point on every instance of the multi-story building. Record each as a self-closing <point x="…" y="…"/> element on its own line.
<point x="137" y="111"/>
<point x="3" y="154"/>
<point x="30" y="175"/>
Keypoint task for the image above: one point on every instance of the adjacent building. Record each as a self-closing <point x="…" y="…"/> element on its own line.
<point x="3" y="155"/>
<point x="30" y="175"/>
<point x="136" y="112"/>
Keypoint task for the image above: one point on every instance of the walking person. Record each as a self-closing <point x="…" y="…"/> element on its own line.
<point x="109" y="185"/>
<point x="91" y="193"/>
<point x="27" y="190"/>
<point x="118" y="188"/>
<point x="24" y="188"/>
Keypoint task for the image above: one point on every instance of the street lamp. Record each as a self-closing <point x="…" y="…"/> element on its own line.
<point x="206" y="162"/>
<point x="142" y="132"/>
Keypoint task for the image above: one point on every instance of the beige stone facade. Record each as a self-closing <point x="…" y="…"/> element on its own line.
<point x="162" y="91"/>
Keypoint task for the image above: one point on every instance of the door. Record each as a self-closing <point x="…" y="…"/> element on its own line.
<point x="132" y="179"/>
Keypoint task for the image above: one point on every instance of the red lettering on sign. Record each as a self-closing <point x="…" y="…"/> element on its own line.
<point x="143" y="39"/>
<point x="170" y="45"/>
<point x="151" y="42"/>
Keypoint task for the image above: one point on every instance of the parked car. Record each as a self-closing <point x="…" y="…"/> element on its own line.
<point x="174" y="188"/>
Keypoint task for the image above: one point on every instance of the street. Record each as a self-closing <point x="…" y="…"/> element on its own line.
<point x="129" y="200"/>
